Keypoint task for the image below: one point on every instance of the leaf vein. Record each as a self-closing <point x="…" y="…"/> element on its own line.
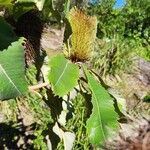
<point x="62" y="74"/>
<point x="99" y="113"/>
<point x="3" y="70"/>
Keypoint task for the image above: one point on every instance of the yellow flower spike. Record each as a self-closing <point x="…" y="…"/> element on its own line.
<point x="83" y="34"/>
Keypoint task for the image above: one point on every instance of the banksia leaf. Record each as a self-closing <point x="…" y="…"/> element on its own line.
<point x="12" y="71"/>
<point x="63" y="75"/>
<point x="103" y="117"/>
<point x="83" y="34"/>
<point x="7" y="35"/>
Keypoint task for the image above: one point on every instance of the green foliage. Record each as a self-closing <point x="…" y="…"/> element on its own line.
<point x="39" y="141"/>
<point x="63" y="75"/>
<point x="9" y="110"/>
<point x="12" y="63"/>
<point x="5" y="2"/>
<point x="38" y="3"/>
<point x="143" y="48"/>
<point x="47" y="10"/>
<point x="6" y="34"/>
<point x="12" y="73"/>
<point x="67" y="6"/>
<point x="103" y="115"/>
<point x="107" y="17"/>
<point x="147" y="98"/>
<point x="127" y="29"/>
<point x="77" y="124"/>
<point x="21" y="8"/>
<point x="113" y="56"/>
<point x="41" y="113"/>
<point x="121" y="32"/>
<point x="35" y="111"/>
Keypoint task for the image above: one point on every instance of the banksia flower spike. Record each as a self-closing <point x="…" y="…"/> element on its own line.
<point x="83" y="34"/>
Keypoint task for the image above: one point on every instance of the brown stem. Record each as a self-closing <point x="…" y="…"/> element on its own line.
<point x="38" y="86"/>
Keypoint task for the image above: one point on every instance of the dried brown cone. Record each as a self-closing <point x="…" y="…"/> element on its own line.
<point x="133" y="136"/>
<point x="30" y="26"/>
<point x="29" y="53"/>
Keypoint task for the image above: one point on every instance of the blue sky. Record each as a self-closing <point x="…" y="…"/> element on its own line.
<point x="119" y="3"/>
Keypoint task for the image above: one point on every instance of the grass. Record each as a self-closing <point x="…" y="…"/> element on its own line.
<point x="34" y="106"/>
<point x="112" y="56"/>
<point x="77" y="125"/>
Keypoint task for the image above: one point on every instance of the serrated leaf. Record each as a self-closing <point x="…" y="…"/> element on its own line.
<point x="12" y="73"/>
<point x="63" y="75"/>
<point x="103" y="116"/>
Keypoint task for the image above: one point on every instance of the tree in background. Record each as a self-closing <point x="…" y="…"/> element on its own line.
<point x="119" y="27"/>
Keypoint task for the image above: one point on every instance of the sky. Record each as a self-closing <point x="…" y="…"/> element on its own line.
<point x="119" y="3"/>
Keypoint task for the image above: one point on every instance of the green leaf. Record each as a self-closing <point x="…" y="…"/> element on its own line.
<point x="47" y="9"/>
<point x="66" y="6"/>
<point x="12" y="73"/>
<point x="63" y="75"/>
<point x="7" y="35"/>
<point x="38" y="3"/>
<point x="103" y="116"/>
<point x="5" y="2"/>
<point x="21" y="8"/>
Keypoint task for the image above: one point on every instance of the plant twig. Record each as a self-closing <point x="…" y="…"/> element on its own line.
<point x="38" y="86"/>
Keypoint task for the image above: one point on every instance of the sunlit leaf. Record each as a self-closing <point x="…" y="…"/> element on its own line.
<point x="12" y="71"/>
<point x="66" y="6"/>
<point x="6" y="2"/>
<point x="63" y="75"/>
<point x="103" y="116"/>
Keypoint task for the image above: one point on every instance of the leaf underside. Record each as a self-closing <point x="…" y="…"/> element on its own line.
<point x="63" y="75"/>
<point x="7" y="35"/>
<point x="103" y="116"/>
<point x="12" y="73"/>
